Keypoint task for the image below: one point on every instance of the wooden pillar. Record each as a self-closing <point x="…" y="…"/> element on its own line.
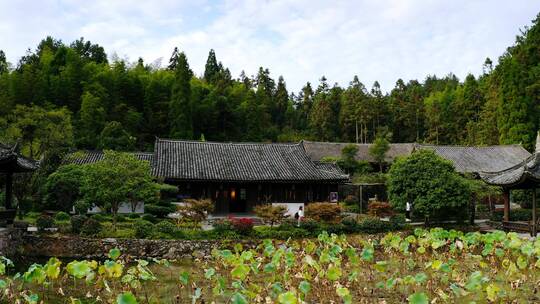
<point x="506" y="198"/>
<point x="533" y="232"/>
<point x="472" y="209"/>
<point x="9" y="190"/>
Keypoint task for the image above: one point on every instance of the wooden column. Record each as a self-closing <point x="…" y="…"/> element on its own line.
<point x="9" y="190"/>
<point x="506" y="198"/>
<point x="533" y="232"/>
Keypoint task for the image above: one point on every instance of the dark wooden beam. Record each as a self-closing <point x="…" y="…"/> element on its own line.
<point x="506" y="199"/>
<point x="533" y="232"/>
<point x="9" y="190"/>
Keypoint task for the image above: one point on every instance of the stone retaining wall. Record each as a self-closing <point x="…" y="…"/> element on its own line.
<point x="35" y="245"/>
<point x="10" y="240"/>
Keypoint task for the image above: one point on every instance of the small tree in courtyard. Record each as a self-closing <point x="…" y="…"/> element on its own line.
<point x="195" y="211"/>
<point x="119" y="177"/>
<point x="430" y="183"/>
<point x="378" y="150"/>
<point x="270" y="213"/>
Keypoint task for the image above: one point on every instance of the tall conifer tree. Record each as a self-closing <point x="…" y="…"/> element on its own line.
<point x="180" y="119"/>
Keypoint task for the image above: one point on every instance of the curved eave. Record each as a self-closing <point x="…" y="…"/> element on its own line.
<point x="17" y="164"/>
<point x="524" y="174"/>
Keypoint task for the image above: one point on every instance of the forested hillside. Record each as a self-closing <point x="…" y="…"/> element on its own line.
<point x="74" y="95"/>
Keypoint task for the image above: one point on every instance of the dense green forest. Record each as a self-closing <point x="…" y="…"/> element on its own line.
<point x="74" y="95"/>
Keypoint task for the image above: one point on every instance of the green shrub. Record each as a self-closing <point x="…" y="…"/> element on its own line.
<point x="99" y="217"/>
<point x="62" y="188"/>
<point x="77" y="221"/>
<point x="143" y="229"/>
<point x="120" y="218"/>
<point x="221" y="235"/>
<point x="149" y="218"/>
<point x="61" y="217"/>
<point x="81" y="207"/>
<point x="398" y="221"/>
<point x="352" y="208"/>
<point x="350" y="225"/>
<point x="166" y="227"/>
<point x="44" y="221"/>
<point x="374" y="225"/>
<point x="223" y="225"/>
<point x="160" y="210"/>
<point x="187" y="225"/>
<point x="310" y="225"/>
<point x="515" y="215"/>
<point x="323" y="212"/>
<point x="289" y="224"/>
<point x="265" y="232"/>
<point x="91" y="227"/>
<point x="134" y="216"/>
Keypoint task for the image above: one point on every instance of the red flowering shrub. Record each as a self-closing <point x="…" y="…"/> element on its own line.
<point x="242" y="225"/>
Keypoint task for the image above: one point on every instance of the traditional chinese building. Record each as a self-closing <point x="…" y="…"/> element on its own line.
<point x="238" y="176"/>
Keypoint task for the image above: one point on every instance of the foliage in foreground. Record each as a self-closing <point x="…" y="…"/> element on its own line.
<point x="436" y="265"/>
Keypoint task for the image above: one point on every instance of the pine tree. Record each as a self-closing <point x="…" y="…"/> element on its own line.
<point x="173" y="61"/>
<point x="211" y="69"/>
<point x="281" y="103"/>
<point x="180" y="119"/>
<point x="3" y="63"/>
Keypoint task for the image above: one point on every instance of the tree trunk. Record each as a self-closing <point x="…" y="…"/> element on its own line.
<point x="114" y="211"/>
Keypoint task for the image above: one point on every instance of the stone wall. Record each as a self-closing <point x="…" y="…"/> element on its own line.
<point x="35" y="245"/>
<point x="10" y="239"/>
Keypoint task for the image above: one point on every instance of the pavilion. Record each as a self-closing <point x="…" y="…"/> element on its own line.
<point x="525" y="175"/>
<point x="11" y="162"/>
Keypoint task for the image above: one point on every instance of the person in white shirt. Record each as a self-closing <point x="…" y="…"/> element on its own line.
<point x="299" y="215"/>
<point x="408" y="207"/>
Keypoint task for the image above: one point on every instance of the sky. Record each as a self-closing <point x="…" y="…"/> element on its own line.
<point x="302" y="40"/>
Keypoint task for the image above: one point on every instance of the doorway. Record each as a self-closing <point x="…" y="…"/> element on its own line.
<point x="237" y="200"/>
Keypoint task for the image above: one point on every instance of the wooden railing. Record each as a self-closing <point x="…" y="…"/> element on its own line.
<point x="518" y="226"/>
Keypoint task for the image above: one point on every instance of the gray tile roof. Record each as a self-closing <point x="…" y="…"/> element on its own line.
<point x="330" y="167"/>
<point x="318" y="150"/>
<point x="89" y="157"/>
<point x="12" y="161"/>
<point x="247" y="162"/>
<point x="514" y="175"/>
<point x="480" y="159"/>
<point x="465" y="159"/>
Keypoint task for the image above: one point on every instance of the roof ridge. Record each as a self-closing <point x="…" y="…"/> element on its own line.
<point x="227" y="142"/>
<point x="477" y="146"/>
<point x="102" y="151"/>
<point x="351" y="143"/>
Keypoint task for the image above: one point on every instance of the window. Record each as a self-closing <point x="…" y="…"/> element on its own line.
<point x="243" y="194"/>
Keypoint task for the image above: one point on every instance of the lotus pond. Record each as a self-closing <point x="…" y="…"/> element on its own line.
<point x="427" y="266"/>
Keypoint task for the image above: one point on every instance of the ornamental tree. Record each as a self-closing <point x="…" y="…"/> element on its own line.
<point x="430" y="183"/>
<point x="119" y="177"/>
<point x="271" y="213"/>
<point x="62" y="188"/>
<point x="378" y="150"/>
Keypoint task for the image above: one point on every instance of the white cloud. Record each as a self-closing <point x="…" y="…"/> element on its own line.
<point x="301" y="40"/>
